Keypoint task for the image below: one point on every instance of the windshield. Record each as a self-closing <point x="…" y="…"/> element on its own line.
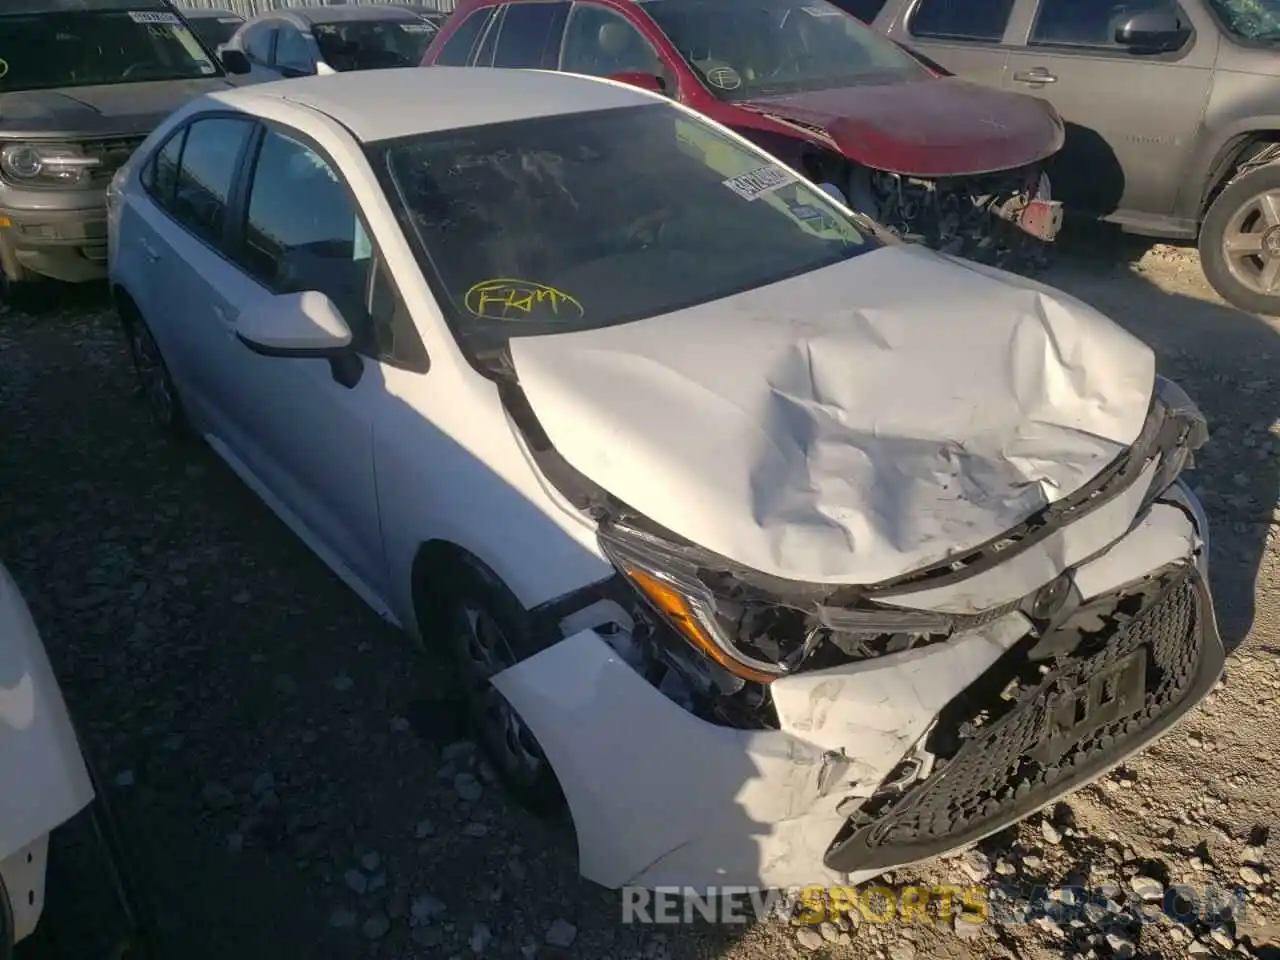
<point x="749" y="48"/>
<point x="85" y="48"/>
<point x="215" y="31"/>
<point x="591" y="219"/>
<point x="373" y="44"/>
<point x="1250" y="19"/>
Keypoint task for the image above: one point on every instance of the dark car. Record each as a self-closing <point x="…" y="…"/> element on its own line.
<point x="212" y="25"/>
<point x="1170" y="106"/>
<point x="953" y="163"/>
<point x="82" y="83"/>
<point x="303" y="41"/>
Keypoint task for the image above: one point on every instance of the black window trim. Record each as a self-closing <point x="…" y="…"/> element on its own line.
<point x="1015" y="11"/>
<point x="1112" y="52"/>
<point x="237" y="219"/>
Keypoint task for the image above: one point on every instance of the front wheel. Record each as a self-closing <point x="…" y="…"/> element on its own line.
<point x="488" y="631"/>
<point x="154" y="381"/>
<point x="1240" y="242"/>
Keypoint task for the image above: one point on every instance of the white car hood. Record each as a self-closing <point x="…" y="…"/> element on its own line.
<point x="852" y="424"/>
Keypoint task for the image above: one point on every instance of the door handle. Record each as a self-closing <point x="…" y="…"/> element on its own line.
<point x="1036" y="75"/>
<point x="149" y="251"/>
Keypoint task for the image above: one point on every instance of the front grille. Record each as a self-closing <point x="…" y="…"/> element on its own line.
<point x="112" y="155"/>
<point x="1138" y="678"/>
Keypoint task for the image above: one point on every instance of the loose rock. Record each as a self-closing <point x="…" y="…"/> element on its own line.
<point x="468" y="787"/>
<point x="809" y="939"/>
<point x="561" y="934"/>
<point x="376" y="927"/>
<point x="480" y="938"/>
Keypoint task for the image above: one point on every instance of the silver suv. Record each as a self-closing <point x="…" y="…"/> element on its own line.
<point x="82" y="82"/>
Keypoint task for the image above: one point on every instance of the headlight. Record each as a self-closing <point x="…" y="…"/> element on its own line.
<point x="45" y="164"/>
<point x="670" y="582"/>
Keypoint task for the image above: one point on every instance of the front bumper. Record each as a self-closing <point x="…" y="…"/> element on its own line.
<point x="67" y="245"/>
<point x="780" y="808"/>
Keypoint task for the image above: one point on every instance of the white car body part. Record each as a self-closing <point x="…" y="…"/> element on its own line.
<point x="45" y="781"/>
<point x="847" y="426"/>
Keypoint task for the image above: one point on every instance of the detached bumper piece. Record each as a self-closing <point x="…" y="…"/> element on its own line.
<point x="1121" y="670"/>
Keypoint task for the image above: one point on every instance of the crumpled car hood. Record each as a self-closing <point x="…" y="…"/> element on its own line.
<point x="943" y="126"/>
<point x="850" y="425"/>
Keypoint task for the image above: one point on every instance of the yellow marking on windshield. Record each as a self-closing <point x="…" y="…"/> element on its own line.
<point x="499" y="298"/>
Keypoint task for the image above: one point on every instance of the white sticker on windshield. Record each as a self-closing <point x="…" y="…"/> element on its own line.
<point x="822" y="11"/>
<point x="153" y="16"/>
<point x="417" y="27"/>
<point x="756" y="183"/>
<point x="230" y="20"/>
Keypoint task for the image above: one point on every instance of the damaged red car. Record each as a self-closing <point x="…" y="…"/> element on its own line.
<point x="934" y="158"/>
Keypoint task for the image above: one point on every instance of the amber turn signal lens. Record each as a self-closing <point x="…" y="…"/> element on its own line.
<point x="675" y="607"/>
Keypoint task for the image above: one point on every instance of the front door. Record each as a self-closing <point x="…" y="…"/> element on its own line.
<point x="1132" y="118"/>
<point x="966" y="37"/>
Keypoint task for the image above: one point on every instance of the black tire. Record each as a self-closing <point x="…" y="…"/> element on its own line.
<point x="1228" y="277"/>
<point x="155" y="385"/>
<point x="463" y="603"/>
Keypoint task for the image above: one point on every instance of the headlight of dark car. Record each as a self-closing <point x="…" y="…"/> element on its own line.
<point x="40" y="164"/>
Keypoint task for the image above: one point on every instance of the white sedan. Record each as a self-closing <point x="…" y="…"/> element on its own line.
<point x="776" y="550"/>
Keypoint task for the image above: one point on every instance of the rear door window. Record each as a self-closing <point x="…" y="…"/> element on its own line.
<point x="529" y="35"/>
<point x="981" y="20"/>
<point x="1087" y="23"/>
<point x="456" y="51"/>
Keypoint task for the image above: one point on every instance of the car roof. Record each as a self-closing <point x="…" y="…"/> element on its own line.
<point x="344" y="13"/>
<point x="430" y="99"/>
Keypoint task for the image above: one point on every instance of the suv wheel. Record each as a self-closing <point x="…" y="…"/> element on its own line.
<point x="1240" y="242"/>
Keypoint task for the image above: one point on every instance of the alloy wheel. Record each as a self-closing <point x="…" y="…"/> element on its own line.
<point x="483" y="651"/>
<point x="153" y="377"/>
<point x="1251" y="244"/>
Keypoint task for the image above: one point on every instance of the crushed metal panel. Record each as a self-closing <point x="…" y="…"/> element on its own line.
<point x="1037" y="565"/>
<point x="849" y="425"/>
<point x="877" y="709"/>
<point x="43" y="779"/>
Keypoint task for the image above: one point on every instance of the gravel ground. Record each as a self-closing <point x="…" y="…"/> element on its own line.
<point x="288" y="770"/>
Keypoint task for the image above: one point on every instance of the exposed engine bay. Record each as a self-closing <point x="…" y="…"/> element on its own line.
<point x="1004" y="219"/>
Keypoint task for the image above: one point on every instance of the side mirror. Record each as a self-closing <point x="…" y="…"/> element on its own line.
<point x="1158" y="30"/>
<point x="234" y="61"/>
<point x="304" y="324"/>
<point x="324" y="70"/>
<point x="645" y="81"/>
<point x="301" y="326"/>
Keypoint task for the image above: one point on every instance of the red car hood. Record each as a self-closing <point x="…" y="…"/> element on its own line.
<point x="942" y="126"/>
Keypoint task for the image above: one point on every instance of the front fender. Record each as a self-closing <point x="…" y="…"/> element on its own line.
<point x="42" y="772"/>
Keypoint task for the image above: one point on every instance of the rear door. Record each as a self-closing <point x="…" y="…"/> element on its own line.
<point x="970" y="38"/>
<point x="1131" y="118"/>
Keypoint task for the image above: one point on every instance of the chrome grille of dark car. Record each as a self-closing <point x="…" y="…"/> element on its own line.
<point x="111" y="154"/>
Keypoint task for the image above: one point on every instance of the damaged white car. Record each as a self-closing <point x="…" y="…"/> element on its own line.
<point x="45" y="785"/>
<point x="776" y="549"/>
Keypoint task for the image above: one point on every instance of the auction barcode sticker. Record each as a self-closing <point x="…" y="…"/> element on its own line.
<point x="756" y="183"/>
<point x="154" y="16"/>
